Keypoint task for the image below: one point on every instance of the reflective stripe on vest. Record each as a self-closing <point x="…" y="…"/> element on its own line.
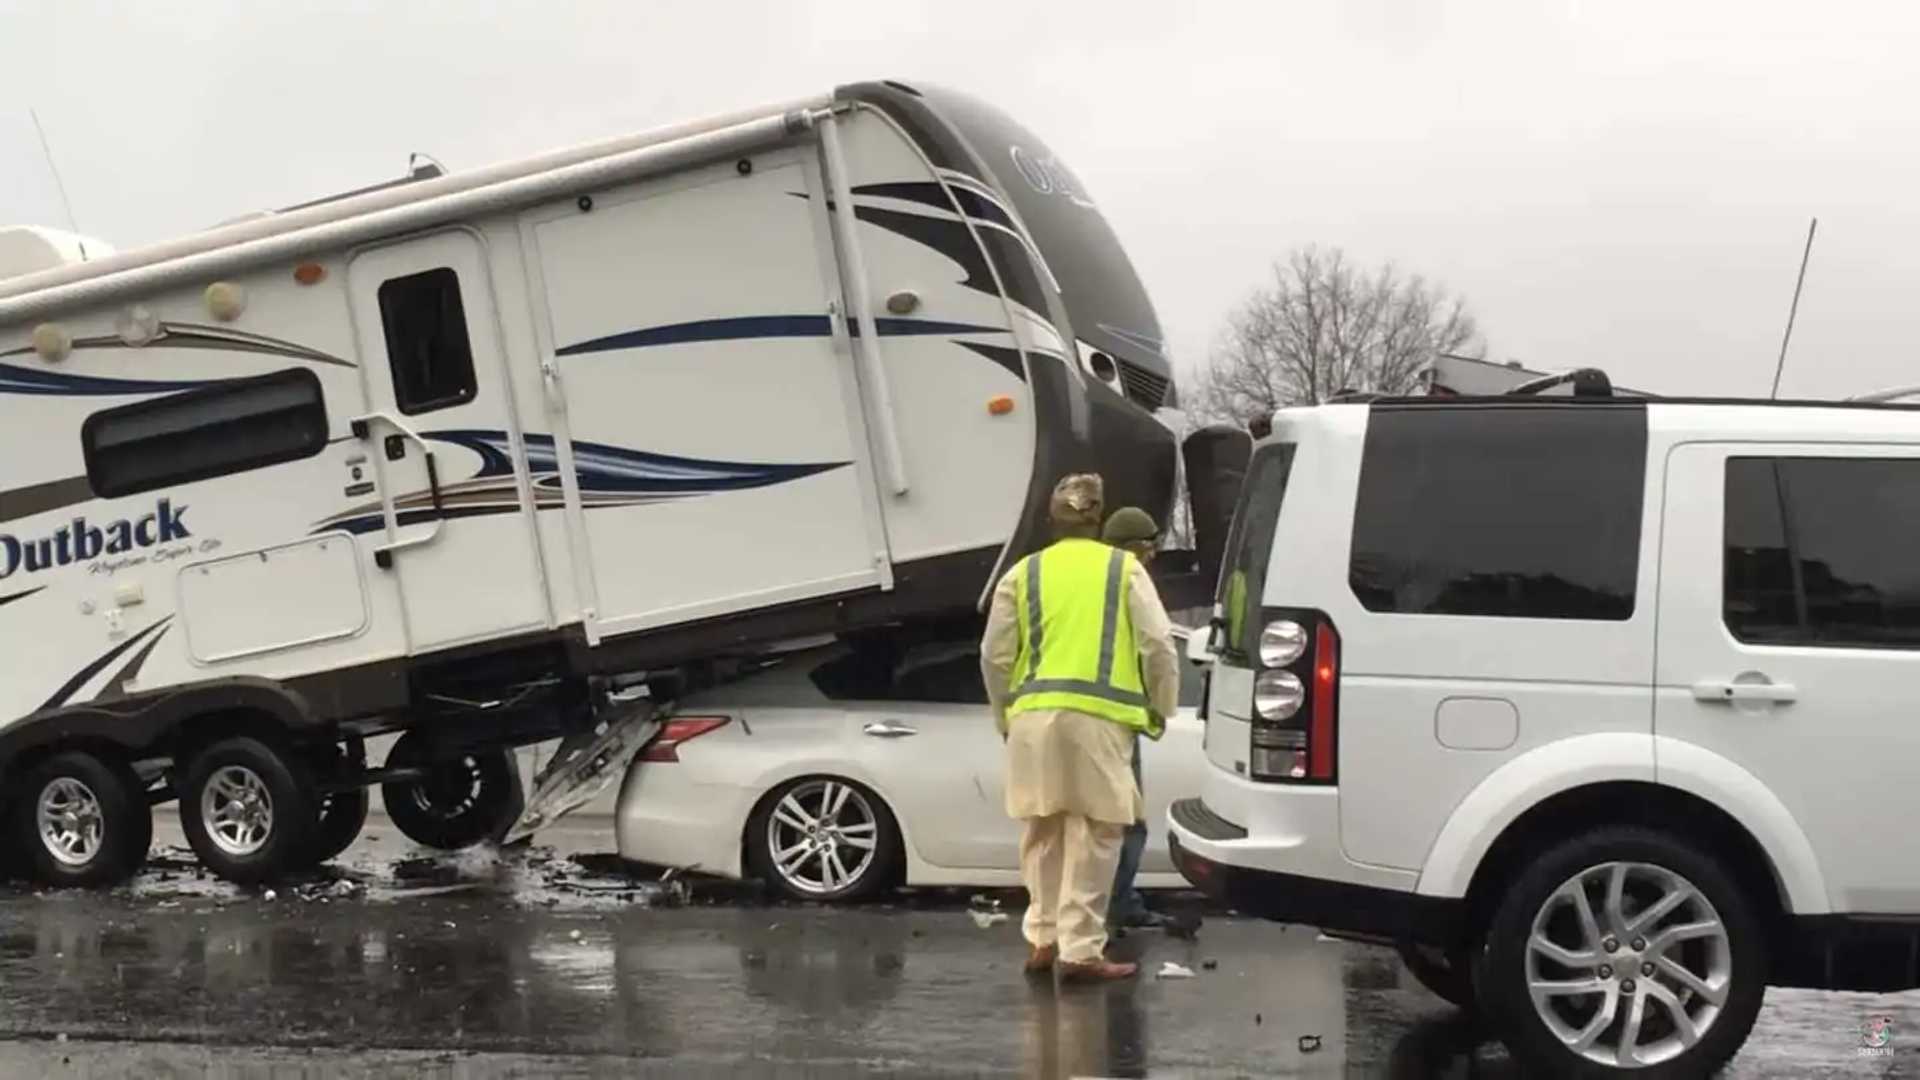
<point x="1066" y="660"/>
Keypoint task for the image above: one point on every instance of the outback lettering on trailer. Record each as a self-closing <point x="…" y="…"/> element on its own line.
<point x="81" y="541"/>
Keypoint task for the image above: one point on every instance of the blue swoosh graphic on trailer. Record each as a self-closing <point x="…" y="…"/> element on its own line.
<point x="80" y="679"/>
<point x="744" y="327"/>
<point x="609" y="476"/>
<point x="608" y="469"/>
<point x="20" y="380"/>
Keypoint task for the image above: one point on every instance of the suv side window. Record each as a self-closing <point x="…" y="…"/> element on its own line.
<point x="1820" y="551"/>
<point x="1518" y="511"/>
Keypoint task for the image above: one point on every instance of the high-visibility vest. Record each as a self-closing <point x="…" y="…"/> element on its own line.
<point x="1076" y="635"/>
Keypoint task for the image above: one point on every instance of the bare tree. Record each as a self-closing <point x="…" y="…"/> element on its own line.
<point x="1324" y="326"/>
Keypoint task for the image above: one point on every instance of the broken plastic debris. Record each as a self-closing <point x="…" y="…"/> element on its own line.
<point x="987" y="919"/>
<point x="1171" y="970"/>
<point x="1309" y="1043"/>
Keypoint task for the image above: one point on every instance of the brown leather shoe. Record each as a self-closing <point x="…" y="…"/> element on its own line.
<point x="1040" y="961"/>
<point x="1096" y="971"/>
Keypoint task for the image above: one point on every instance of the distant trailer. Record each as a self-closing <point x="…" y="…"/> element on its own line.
<point x="470" y="455"/>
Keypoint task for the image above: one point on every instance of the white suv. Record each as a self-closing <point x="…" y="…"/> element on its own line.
<point x="1602" y="709"/>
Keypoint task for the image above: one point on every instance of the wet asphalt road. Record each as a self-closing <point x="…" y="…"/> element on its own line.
<point x="553" y="963"/>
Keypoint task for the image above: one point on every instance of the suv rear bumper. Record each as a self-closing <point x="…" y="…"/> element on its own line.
<point x="1201" y="843"/>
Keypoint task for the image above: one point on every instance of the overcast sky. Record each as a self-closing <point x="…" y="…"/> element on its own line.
<point x="1623" y="183"/>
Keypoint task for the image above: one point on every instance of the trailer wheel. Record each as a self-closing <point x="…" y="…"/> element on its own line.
<point x="462" y="801"/>
<point x="342" y="815"/>
<point x="249" y="811"/>
<point x="83" y="820"/>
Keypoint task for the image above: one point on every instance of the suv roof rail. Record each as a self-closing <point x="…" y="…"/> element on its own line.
<point x="1587" y="382"/>
<point x="1891" y="393"/>
<point x="1356" y="397"/>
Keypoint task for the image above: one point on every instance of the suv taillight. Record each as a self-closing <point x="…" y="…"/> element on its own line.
<point x="1296" y="694"/>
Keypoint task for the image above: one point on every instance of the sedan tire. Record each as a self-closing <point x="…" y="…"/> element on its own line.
<point x="825" y="839"/>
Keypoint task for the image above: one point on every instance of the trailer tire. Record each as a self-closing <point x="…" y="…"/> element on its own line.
<point x="249" y="810"/>
<point x="83" y="820"/>
<point x="342" y="815"/>
<point x="465" y="800"/>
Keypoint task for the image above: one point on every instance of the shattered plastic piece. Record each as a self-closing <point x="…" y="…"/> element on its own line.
<point x="986" y="920"/>
<point x="1309" y="1044"/>
<point x="1171" y="970"/>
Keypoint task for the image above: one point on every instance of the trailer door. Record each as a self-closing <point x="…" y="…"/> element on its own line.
<point x="708" y="427"/>
<point x="452" y="519"/>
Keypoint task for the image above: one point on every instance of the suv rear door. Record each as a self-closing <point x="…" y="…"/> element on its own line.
<point x="1790" y="641"/>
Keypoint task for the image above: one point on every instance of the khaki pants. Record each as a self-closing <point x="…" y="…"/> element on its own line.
<point x="1067" y="863"/>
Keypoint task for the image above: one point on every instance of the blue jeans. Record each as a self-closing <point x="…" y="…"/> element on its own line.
<point x="1127" y="901"/>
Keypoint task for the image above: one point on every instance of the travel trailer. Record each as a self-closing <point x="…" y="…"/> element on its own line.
<point x="492" y="457"/>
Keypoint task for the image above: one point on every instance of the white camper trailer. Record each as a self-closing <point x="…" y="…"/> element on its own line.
<point x="466" y="455"/>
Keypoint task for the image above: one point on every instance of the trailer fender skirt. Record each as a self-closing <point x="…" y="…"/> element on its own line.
<point x="144" y="723"/>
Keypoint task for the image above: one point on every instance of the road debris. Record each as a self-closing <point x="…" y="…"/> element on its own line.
<point x="1309" y="1044"/>
<point x="1171" y="970"/>
<point x="986" y="920"/>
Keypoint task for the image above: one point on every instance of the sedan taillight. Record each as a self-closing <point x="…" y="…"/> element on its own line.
<point x="681" y="729"/>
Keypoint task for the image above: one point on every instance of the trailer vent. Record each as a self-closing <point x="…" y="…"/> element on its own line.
<point x="1145" y="388"/>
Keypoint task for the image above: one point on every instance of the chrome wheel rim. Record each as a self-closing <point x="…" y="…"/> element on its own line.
<point x="823" y="837"/>
<point x="72" y="826"/>
<point x="1628" y="964"/>
<point x="237" y="810"/>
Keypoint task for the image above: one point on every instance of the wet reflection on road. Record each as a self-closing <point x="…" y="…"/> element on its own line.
<point x="914" y="989"/>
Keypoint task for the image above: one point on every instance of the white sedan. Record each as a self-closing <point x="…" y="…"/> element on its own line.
<point x="838" y="772"/>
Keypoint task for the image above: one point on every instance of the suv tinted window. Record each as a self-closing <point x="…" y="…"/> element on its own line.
<point x="1521" y="511"/>
<point x="1820" y="551"/>
<point x="1243" y="578"/>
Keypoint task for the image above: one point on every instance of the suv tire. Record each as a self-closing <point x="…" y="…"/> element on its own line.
<point x="1447" y="973"/>
<point x="1682" y="933"/>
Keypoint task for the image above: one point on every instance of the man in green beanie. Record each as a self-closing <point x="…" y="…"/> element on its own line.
<point x="1134" y="531"/>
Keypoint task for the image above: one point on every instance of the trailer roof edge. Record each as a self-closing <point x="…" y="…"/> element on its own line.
<point x="390" y="210"/>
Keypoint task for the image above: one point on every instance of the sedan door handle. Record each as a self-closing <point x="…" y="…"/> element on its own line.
<point x="1745" y="693"/>
<point x="889" y="729"/>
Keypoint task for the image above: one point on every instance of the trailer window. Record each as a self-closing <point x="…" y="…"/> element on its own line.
<point x="427" y="344"/>
<point x="228" y="427"/>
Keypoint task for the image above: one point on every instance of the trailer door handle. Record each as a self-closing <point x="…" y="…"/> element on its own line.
<point x="889" y="729"/>
<point x="1745" y="693"/>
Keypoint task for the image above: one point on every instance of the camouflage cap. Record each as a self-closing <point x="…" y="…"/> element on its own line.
<point x="1130" y="525"/>
<point x="1079" y="499"/>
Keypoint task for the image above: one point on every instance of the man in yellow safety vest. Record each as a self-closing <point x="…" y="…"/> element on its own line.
<point x="1078" y="658"/>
